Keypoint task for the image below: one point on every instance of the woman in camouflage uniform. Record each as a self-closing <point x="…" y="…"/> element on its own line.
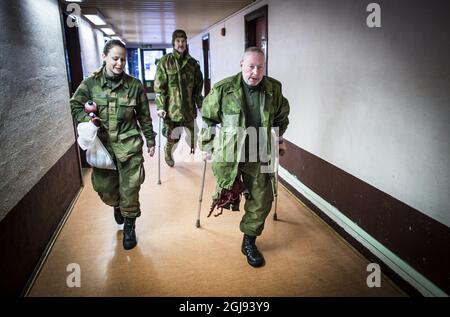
<point x="123" y="109"/>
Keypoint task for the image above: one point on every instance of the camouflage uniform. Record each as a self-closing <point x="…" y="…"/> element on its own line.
<point x="120" y="107"/>
<point x="178" y="88"/>
<point x="226" y="105"/>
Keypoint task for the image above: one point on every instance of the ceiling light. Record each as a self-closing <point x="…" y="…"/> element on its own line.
<point x="94" y="15"/>
<point x="108" y="31"/>
<point x="95" y="19"/>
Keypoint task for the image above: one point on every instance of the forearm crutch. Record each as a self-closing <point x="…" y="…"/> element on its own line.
<point x="159" y="152"/>
<point x="197" y="223"/>
<point x="274" y="176"/>
<point x="275" y="188"/>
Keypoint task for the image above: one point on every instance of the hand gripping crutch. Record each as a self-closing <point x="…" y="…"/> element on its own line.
<point x="159" y="151"/>
<point x="197" y="223"/>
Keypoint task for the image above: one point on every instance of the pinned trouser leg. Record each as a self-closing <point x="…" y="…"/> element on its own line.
<point x="191" y="130"/>
<point x="172" y="131"/>
<point x="169" y="148"/>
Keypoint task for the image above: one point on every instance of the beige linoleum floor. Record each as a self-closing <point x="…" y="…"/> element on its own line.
<point x="304" y="257"/>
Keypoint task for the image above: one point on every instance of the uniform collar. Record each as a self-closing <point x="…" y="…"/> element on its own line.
<point x="123" y="81"/>
<point x="264" y="85"/>
<point x="176" y="54"/>
<point x="180" y="58"/>
<point x="236" y="89"/>
<point x="251" y="89"/>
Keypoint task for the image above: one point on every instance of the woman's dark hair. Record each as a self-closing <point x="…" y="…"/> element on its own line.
<point x="110" y="44"/>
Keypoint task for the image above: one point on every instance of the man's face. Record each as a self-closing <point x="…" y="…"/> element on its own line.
<point x="180" y="44"/>
<point x="252" y="67"/>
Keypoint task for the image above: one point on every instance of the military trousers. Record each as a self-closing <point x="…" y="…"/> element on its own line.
<point x="121" y="187"/>
<point x="258" y="200"/>
<point x="173" y="130"/>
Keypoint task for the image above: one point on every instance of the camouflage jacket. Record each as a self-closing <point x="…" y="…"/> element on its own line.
<point x="123" y="110"/>
<point x="178" y="87"/>
<point x="224" y="106"/>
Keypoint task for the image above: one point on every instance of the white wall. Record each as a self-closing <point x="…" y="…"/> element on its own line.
<point x="35" y="122"/>
<point x="373" y="102"/>
<point x="196" y="51"/>
<point x="91" y="45"/>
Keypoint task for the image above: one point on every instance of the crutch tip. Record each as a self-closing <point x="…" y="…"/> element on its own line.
<point x="197" y="223"/>
<point x="275" y="217"/>
<point x="159" y="182"/>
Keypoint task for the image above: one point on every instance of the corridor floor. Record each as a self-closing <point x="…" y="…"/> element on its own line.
<point x="304" y="256"/>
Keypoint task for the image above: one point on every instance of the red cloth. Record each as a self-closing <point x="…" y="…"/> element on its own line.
<point x="228" y="199"/>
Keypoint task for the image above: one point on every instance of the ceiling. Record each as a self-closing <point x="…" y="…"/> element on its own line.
<point x="152" y="22"/>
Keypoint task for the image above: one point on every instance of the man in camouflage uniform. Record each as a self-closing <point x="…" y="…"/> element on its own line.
<point x="244" y="102"/>
<point x="178" y="88"/>
<point x="121" y="105"/>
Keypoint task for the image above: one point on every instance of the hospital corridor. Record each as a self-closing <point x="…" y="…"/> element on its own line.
<point x="198" y="150"/>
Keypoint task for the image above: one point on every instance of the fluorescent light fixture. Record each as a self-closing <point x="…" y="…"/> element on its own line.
<point x="94" y="16"/>
<point x="108" y="31"/>
<point x="95" y="19"/>
<point x="74" y="0"/>
<point x="117" y="38"/>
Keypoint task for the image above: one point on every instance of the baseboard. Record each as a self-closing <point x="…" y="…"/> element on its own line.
<point x="400" y="267"/>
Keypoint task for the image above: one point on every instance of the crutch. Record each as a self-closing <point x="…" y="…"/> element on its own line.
<point x="274" y="177"/>
<point x="197" y="223"/>
<point x="275" y="188"/>
<point x="159" y="152"/>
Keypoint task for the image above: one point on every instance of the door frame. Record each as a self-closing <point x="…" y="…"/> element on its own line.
<point x="206" y="63"/>
<point x="148" y="90"/>
<point x="74" y="71"/>
<point x="250" y="19"/>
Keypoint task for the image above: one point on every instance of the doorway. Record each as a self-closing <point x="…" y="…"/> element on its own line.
<point x="74" y="67"/>
<point x="150" y="58"/>
<point x="256" y="30"/>
<point x="73" y="55"/>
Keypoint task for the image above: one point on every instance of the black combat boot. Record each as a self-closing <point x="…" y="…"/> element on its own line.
<point x="129" y="235"/>
<point x="254" y="257"/>
<point x="118" y="215"/>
